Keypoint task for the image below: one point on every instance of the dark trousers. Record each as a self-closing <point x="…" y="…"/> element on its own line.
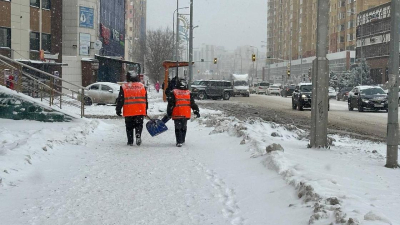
<point x="180" y="130"/>
<point x="133" y="122"/>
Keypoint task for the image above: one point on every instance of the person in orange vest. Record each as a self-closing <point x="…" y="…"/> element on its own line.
<point x="132" y="99"/>
<point x="180" y="105"/>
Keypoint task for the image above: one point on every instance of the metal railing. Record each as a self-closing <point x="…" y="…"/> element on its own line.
<point x="46" y="86"/>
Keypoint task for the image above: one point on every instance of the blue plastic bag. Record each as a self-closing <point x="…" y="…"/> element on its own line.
<point x="156" y="127"/>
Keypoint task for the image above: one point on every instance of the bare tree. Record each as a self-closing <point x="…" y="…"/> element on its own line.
<point x="159" y="48"/>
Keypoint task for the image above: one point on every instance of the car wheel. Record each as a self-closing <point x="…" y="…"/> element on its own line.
<point x="337" y="98"/>
<point x="285" y="96"/>
<point x="226" y="95"/>
<point x="202" y="95"/>
<point x="87" y="100"/>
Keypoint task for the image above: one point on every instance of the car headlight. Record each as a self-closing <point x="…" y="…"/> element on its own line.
<point x="365" y="100"/>
<point x="304" y="96"/>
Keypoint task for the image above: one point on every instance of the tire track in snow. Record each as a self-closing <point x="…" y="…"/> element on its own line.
<point x="226" y="195"/>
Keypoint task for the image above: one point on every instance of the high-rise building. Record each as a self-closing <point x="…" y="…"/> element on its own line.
<point x="292" y="27"/>
<point x="135" y="29"/>
<point x="291" y="34"/>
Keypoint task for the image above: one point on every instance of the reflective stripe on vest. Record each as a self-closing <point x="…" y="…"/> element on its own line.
<point x="134" y="99"/>
<point x="182" y="107"/>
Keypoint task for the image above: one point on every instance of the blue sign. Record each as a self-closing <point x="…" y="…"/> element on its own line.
<point x="86" y="17"/>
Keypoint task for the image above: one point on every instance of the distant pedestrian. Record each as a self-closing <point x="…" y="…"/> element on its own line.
<point x="157" y="86"/>
<point x="179" y="108"/>
<point x="132" y="99"/>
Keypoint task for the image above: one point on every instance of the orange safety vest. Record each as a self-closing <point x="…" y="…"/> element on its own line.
<point x="134" y="99"/>
<point x="182" y="107"/>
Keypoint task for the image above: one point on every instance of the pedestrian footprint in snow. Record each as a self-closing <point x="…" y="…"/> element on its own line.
<point x="132" y="99"/>
<point x="180" y="103"/>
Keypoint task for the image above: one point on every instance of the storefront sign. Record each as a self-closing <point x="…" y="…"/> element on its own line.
<point x="84" y="43"/>
<point x="86" y="17"/>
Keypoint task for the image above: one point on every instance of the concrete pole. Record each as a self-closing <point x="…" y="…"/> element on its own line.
<point x="177" y="40"/>
<point x="191" y="45"/>
<point x="40" y="25"/>
<point x="393" y="119"/>
<point x="319" y="103"/>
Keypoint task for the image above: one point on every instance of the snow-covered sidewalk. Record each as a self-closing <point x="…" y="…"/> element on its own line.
<point x="96" y="179"/>
<point x="82" y="172"/>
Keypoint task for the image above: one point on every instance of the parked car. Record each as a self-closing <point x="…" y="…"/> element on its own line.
<point x="302" y="97"/>
<point x="262" y="88"/>
<point x="332" y="92"/>
<point x="288" y="90"/>
<point x="367" y="97"/>
<point x="274" y="90"/>
<point x="101" y="93"/>
<point x="214" y="89"/>
<point x="343" y="94"/>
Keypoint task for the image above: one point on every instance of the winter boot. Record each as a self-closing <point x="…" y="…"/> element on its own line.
<point x="130" y="144"/>
<point x="179" y="145"/>
<point x="138" y="140"/>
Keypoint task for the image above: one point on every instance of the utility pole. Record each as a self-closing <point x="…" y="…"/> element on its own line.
<point x="191" y="45"/>
<point x="177" y="39"/>
<point x="319" y="102"/>
<point x="393" y="120"/>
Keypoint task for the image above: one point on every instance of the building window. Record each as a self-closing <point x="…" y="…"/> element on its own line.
<point x="34" y="42"/>
<point x="36" y="3"/>
<point x="46" y="42"/>
<point x="5" y="37"/>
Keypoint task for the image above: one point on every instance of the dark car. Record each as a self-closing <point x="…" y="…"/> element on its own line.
<point x="288" y="90"/>
<point x="214" y="89"/>
<point x="301" y="97"/>
<point x="343" y="94"/>
<point x="367" y="97"/>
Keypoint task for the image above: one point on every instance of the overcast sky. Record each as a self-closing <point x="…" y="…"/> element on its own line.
<point x="228" y="23"/>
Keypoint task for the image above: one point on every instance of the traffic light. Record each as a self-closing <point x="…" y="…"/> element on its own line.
<point x="253" y="57"/>
<point x="288" y="73"/>
<point x="215" y="60"/>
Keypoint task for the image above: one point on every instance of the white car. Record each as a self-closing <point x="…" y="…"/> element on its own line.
<point x="101" y="93"/>
<point x="332" y="93"/>
<point x="274" y="90"/>
<point x="262" y="88"/>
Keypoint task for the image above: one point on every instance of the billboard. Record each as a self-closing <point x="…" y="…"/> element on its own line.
<point x="86" y="17"/>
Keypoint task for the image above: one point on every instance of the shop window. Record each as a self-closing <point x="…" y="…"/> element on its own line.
<point x="5" y="37"/>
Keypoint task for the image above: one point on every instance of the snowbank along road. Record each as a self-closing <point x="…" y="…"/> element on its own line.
<point x="365" y="125"/>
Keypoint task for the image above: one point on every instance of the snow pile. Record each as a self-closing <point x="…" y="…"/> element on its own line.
<point x="342" y="184"/>
<point x="23" y="143"/>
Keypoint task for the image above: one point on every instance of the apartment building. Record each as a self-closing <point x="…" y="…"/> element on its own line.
<point x="373" y="38"/>
<point x="135" y="29"/>
<point x="291" y="30"/>
<point x="26" y="29"/>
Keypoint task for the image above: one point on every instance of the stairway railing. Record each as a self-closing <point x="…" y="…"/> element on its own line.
<point x="49" y="89"/>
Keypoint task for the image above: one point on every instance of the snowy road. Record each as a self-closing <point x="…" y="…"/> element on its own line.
<point x="107" y="182"/>
<point x="369" y="125"/>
